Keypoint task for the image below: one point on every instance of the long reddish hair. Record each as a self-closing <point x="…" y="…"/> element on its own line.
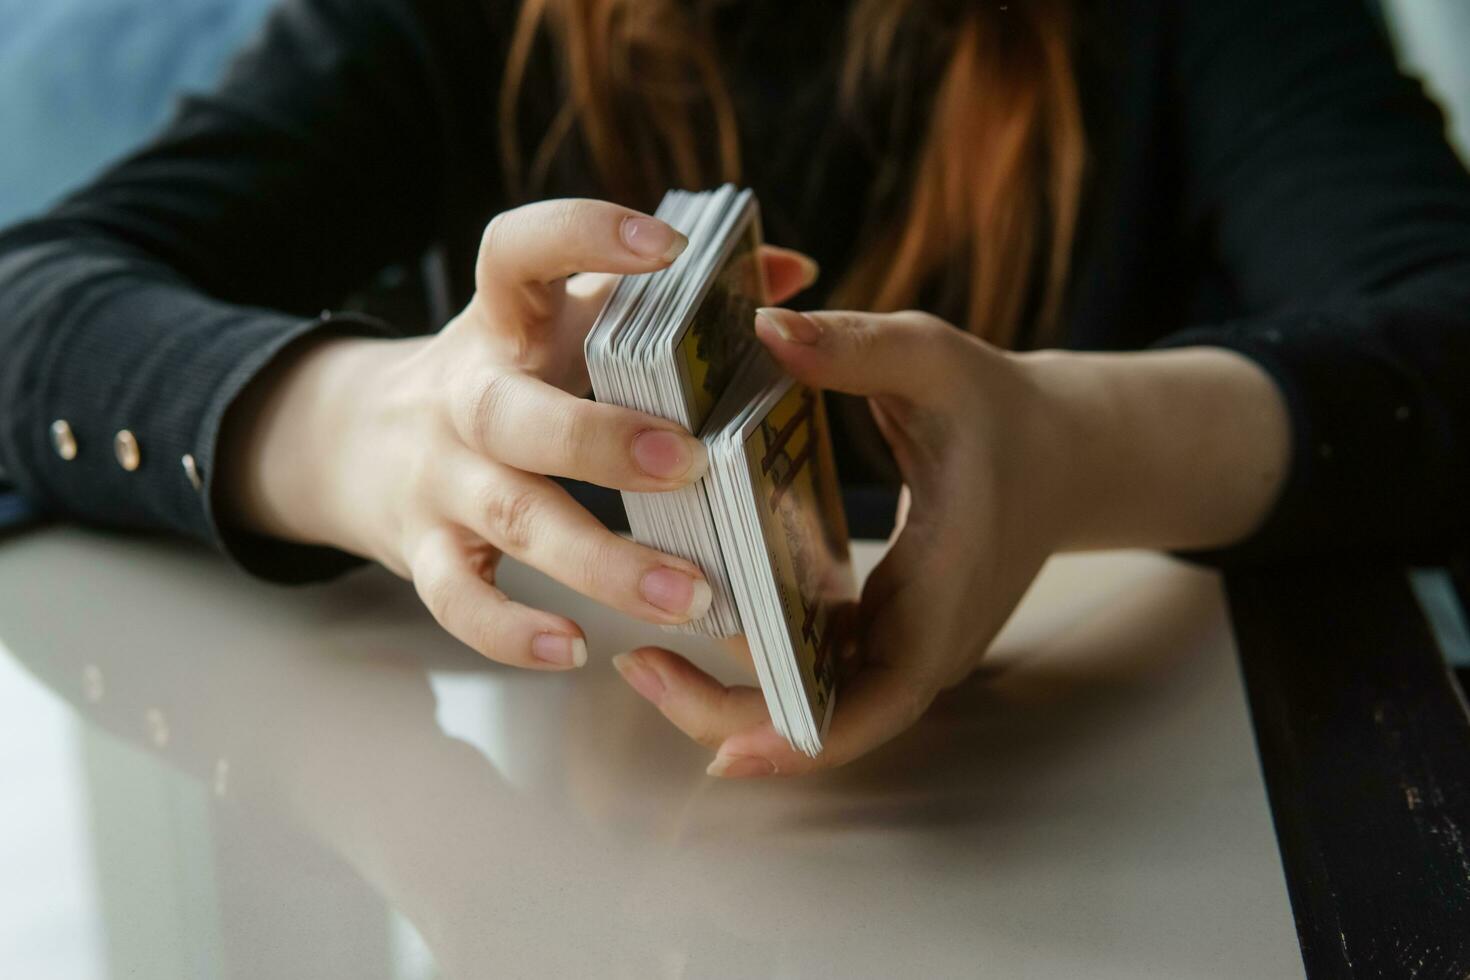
<point x="992" y="200"/>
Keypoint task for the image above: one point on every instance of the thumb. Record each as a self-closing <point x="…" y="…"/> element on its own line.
<point x="872" y="354"/>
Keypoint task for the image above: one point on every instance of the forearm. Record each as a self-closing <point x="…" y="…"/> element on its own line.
<point x="1181" y="449"/>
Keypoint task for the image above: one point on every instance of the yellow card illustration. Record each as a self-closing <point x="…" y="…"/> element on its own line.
<point x="790" y="455"/>
<point x="722" y="331"/>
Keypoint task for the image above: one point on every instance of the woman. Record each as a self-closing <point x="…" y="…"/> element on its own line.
<point x="1249" y="189"/>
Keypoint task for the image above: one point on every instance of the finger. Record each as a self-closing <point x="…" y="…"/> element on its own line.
<point x="537" y="522"/>
<point x="891" y="690"/>
<point x="788" y="272"/>
<point x="878" y="704"/>
<point x="532" y="425"/>
<point x="547" y="241"/>
<point x="700" y="706"/>
<point x="894" y="354"/>
<point x="452" y="580"/>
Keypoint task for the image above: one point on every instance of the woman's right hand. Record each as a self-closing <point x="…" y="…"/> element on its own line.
<point x="432" y="455"/>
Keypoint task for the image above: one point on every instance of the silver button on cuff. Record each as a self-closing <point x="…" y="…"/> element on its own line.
<point x="62" y="439"/>
<point x="191" y="470"/>
<point x="125" y="448"/>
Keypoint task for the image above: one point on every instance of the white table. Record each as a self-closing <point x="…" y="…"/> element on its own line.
<point x="204" y="776"/>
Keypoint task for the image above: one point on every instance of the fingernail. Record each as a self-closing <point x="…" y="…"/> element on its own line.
<point x="640" y="677"/>
<point x="558" y="649"/>
<point x="669" y="455"/>
<point x="792" y="327"/>
<point x="676" y="592"/>
<point x="809" y="269"/>
<point x="651" y="238"/>
<point x="741" y="767"/>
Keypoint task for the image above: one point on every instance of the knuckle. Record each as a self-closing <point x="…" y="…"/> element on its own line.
<point x="938" y="347"/>
<point x="577" y="429"/>
<point x="927" y="332"/>
<point x="512" y="513"/>
<point x="497" y="232"/>
<point x="864" y="337"/>
<point x="954" y="357"/>
<point x="846" y="321"/>
<point x="564" y="221"/>
<point x="704" y="732"/>
<point x="574" y="215"/>
<point x="493" y="237"/>
<point x="601" y="555"/>
<point x="921" y="320"/>
<point x="440" y="596"/>
<point x="703" y="726"/>
<point x="941" y="349"/>
<point x="487" y="410"/>
<point x="479" y="625"/>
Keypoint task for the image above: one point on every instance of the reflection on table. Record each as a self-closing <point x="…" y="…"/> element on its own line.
<point x="319" y="783"/>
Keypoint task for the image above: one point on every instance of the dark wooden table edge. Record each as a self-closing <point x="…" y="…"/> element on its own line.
<point x="1364" y="742"/>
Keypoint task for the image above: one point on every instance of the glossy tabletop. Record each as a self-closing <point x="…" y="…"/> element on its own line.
<point x="206" y="776"/>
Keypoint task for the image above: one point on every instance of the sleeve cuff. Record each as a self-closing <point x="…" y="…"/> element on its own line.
<point x="1360" y="433"/>
<point x="1264" y="349"/>
<point x="265" y="557"/>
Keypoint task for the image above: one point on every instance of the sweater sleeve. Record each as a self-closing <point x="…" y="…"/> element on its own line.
<point x="1323" y="181"/>
<point x="135" y="312"/>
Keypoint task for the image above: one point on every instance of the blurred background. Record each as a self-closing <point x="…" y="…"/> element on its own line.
<point x="81" y="81"/>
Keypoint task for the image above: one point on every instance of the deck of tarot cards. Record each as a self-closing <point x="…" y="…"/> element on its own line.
<point x="765" y="523"/>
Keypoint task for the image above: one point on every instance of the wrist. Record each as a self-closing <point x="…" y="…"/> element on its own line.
<point x="1071" y="426"/>
<point x="1178" y="449"/>
<point x="284" y="443"/>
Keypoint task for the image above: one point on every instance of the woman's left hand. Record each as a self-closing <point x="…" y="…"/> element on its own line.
<point x="978" y="519"/>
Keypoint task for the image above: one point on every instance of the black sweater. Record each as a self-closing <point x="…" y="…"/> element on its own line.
<point x="1260" y="178"/>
